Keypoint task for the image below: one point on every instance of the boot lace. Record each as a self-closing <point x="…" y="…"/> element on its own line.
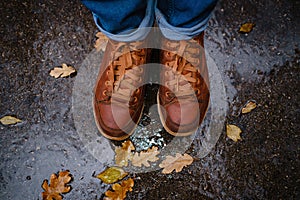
<point x="181" y="70"/>
<point x="124" y="75"/>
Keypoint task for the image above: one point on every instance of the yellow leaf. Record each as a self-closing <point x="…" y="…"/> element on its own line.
<point x="101" y="42"/>
<point x="58" y="185"/>
<point x="120" y="191"/>
<point x="64" y="71"/>
<point x="175" y="163"/>
<point x="144" y="157"/>
<point x="123" y="154"/>
<point x="9" y="120"/>
<point x="249" y="107"/>
<point x="112" y="175"/>
<point x="233" y="132"/>
<point x="246" y="27"/>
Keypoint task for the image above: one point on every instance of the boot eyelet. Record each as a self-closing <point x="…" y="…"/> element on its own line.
<point x="106" y="83"/>
<point x="135" y="99"/>
<point x="104" y="93"/>
<point x="137" y="91"/>
<point x="168" y="94"/>
<point x="197" y="91"/>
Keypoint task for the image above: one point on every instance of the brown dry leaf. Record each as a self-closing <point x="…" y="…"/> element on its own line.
<point x="144" y="157"/>
<point x="120" y="191"/>
<point x="101" y="42"/>
<point x="123" y="154"/>
<point x="112" y="175"/>
<point x="9" y="120"/>
<point x="177" y="163"/>
<point x="249" y="107"/>
<point x="246" y="27"/>
<point x="233" y="132"/>
<point x="63" y="71"/>
<point x="58" y="185"/>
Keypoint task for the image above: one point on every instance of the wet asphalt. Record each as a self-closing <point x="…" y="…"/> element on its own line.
<point x="262" y="65"/>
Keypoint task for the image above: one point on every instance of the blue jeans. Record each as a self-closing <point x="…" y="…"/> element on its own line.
<point x="129" y="20"/>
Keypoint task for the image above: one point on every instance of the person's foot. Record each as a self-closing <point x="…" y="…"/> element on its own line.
<point x="183" y="96"/>
<point x="119" y="94"/>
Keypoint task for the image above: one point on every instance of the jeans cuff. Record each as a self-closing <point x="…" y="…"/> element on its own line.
<point x="132" y="35"/>
<point x="178" y="33"/>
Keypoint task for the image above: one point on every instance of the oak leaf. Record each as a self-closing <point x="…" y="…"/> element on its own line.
<point x="63" y="71"/>
<point x="101" y="42"/>
<point x="112" y="175"/>
<point x="233" y="132"/>
<point x="249" y="107"/>
<point x="175" y="163"/>
<point x="9" y="120"/>
<point x="120" y="190"/>
<point x="144" y="157"/>
<point x="58" y="185"/>
<point x="246" y="27"/>
<point x="123" y="154"/>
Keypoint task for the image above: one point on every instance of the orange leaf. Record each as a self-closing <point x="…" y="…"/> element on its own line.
<point x="101" y="42"/>
<point x="123" y="154"/>
<point x="58" y="185"/>
<point x="249" y="107"/>
<point x="175" y="163"/>
<point x="144" y="157"/>
<point x="233" y="132"/>
<point x="246" y="27"/>
<point x="63" y="71"/>
<point x="9" y="120"/>
<point x="120" y="191"/>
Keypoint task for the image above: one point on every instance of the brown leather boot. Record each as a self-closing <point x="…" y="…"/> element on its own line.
<point x="119" y="94"/>
<point x="183" y="96"/>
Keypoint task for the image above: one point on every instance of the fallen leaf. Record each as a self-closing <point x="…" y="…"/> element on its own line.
<point x="144" y="157"/>
<point x="249" y="107"/>
<point x="246" y="27"/>
<point x="101" y="42"/>
<point x="233" y="132"/>
<point x="112" y="175"/>
<point x="9" y="120"/>
<point x="175" y="163"/>
<point x="63" y="71"/>
<point x="58" y="185"/>
<point x="123" y="154"/>
<point x="120" y="191"/>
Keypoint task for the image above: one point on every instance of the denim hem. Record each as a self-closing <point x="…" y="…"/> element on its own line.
<point x="178" y="33"/>
<point x="137" y="34"/>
